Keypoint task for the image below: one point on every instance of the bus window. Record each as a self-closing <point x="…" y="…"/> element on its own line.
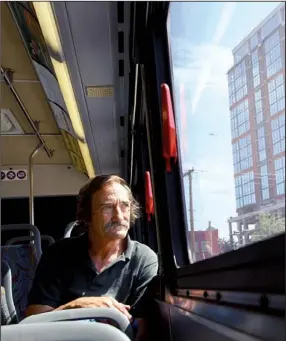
<point x="228" y="66"/>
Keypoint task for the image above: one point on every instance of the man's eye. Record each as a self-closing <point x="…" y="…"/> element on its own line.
<point x="107" y="207"/>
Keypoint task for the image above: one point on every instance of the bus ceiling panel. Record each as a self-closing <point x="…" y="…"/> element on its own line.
<point x="17" y="150"/>
<point x="88" y="32"/>
<point x="17" y="146"/>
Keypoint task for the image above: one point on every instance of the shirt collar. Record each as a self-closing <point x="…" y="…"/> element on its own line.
<point x="130" y="244"/>
<point x="126" y="254"/>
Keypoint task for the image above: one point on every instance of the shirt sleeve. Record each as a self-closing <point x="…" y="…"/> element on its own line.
<point x="141" y="295"/>
<point x="47" y="287"/>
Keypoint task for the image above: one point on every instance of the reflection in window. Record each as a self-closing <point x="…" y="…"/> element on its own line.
<point x="276" y="94"/>
<point x="261" y="144"/>
<point x="237" y="83"/>
<point x="280" y="175"/>
<point x="264" y="182"/>
<point x="278" y="134"/>
<point x="273" y="54"/>
<point x="258" y="107"/>
<point x="255" y="68"/>
<point x="245" y="189"/>
<point x="240" y="119"/>
<point x="242" y="154"/>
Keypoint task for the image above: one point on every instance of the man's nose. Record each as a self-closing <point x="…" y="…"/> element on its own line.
<point x="118" y="213"/>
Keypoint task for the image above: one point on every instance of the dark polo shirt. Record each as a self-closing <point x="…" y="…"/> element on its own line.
<point x="66" y="272"/>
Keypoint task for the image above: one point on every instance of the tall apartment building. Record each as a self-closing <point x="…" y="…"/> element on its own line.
<point x="257" y="111"/>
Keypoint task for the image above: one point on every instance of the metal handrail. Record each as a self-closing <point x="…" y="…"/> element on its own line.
<point x="28" y="117"/>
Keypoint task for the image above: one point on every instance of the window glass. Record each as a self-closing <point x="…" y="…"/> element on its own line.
<point x="258" y="107"/>
<point x="278" y="134"/>
<point x="273" y="54"/>
<point x="271" y="24"/>
<point x="280" y="175"/>
<point x="276" y="93"/>
<point x="255" y="69"/>
<point x="230" y="133"/>
<point x="254" y="41"/>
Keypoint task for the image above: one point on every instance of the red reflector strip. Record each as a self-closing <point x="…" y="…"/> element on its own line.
<point x="169" y="128"/>
<point x="149" y="196"/>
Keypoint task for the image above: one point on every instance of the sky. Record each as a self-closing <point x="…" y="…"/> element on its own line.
<point x="202" y="36"/>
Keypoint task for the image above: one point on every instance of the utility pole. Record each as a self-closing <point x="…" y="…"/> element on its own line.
<point x="189" y="174"/>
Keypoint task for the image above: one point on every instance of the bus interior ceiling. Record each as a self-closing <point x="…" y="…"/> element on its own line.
<point x="98" y="69"/>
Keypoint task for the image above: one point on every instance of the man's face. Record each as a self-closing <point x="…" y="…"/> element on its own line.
<point x="110" y="212"/>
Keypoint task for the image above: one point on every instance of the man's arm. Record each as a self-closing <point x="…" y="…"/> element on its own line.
<point x="34" y="309"/>
<point x="47" y="289"/>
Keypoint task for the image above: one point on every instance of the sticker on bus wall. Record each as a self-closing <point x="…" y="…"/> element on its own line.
<point x="14" y="175"/>
<point x="99" y="91"/>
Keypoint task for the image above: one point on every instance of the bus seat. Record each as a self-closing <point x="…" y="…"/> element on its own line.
<point x="5" y="314"/>
<point x="61" y="331"/>
<point x="8" y="310"/>
<point x="74" y="229"/>
<point x="34" y="233"/>
<point x="44" y="238"/>
<point x="22" y="260"/>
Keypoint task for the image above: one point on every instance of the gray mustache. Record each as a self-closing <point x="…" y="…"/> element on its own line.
<point x="112" y="225"/>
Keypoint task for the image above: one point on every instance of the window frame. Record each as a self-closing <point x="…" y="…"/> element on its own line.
<point x="225" y="271"/>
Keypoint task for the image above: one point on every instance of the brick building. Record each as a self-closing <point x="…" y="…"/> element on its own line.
<point x="257" y="112"/>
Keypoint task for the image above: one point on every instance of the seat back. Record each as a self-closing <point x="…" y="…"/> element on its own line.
<point x="18" y="240"/>
<point x="74" y="229"/>
<point x="8" y="310"/>
<point x="22" y="260"/>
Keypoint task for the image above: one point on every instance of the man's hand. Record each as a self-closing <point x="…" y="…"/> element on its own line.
<point x="97" y="302"/>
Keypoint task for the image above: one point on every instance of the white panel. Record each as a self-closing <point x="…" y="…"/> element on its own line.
<point x="49" y="180"/>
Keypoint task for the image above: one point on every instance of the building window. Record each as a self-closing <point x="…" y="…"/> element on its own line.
<point x="276" y="95"/>
<point x="253" y="41"/>
<point x="245" y="189"/>
<point x="258" y="107"/>
<point x="242" y="52"/>
<point x="278" y="134"/>
<point x="255" y="69"/>
<point x="261" y="144"/>
<point x="240" y="119"/>
<point x="237" y="83"/>
<point x="270" y="26"/>
<point x="264" y="183"/>
<point x="280" y="175"/>
<point x="242" y="154"/>
<point x="273" y="55"/>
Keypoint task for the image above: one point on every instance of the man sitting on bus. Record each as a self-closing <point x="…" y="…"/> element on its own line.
<point x="102" y="267"/>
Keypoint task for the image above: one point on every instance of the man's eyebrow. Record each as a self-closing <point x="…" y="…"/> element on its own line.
<point x="106" y="203"/>
<point x="125" y="202"/>
<point x="112" y="203"/>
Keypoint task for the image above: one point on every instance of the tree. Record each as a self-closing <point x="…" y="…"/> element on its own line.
<point x="269" y="225"/>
